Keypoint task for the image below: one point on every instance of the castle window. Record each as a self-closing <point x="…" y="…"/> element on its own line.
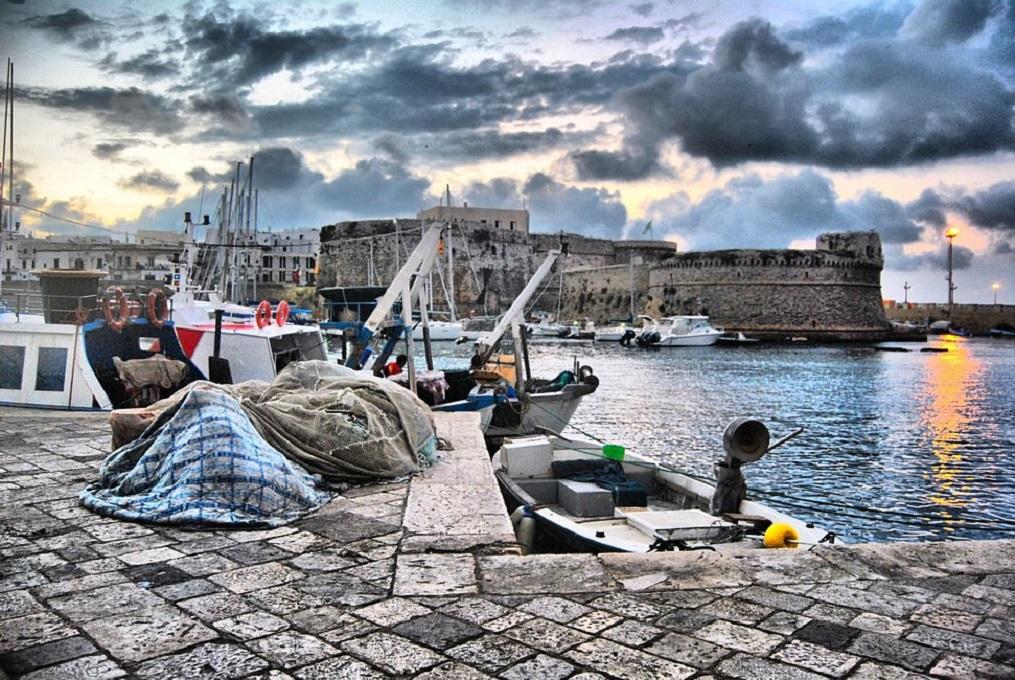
<point x="807" y="275"/>
<point x="496" y="224"/>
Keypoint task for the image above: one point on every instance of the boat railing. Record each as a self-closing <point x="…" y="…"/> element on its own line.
<point x="73" y="309"/>
<point x="65" y="309"/>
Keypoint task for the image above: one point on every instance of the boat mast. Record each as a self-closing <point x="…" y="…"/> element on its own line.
<point x="8" y="105"/>
<point x="451" y="260"/>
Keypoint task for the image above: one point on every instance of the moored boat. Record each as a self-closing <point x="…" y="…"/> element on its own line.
<point x="568" y="494"/>
<point x="678" y="331"/>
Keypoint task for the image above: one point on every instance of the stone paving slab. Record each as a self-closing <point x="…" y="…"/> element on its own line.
<point x="402" y="580"/>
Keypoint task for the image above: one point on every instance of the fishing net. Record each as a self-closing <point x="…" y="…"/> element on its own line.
<point x="334" y="422"/>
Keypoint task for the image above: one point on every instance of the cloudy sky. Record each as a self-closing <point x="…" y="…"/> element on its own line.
<point x="726" y="123"/>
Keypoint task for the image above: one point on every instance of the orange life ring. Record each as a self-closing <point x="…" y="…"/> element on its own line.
<point x="263" y="315"/>
<point x="158" y="311"/>
<point x="282" y="315"/>
<point x="119" y="323"/>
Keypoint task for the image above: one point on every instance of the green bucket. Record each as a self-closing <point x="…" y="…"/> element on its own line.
<point x="613" y="451"/>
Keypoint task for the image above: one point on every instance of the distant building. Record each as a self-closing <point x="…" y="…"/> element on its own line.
<point x="498" y="218"/>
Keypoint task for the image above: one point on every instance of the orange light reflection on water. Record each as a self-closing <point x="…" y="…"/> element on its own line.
<point x="948" y="413"/>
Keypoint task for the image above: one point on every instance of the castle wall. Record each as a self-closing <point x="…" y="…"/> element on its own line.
<point x="833" y="291"/>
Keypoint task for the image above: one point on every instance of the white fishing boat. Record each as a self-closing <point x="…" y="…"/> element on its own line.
<point x="440" y="331"/>
<point x="618" y="333"/>
<point x="678" y="331"/>
<point x="257" y="344"/>
<point x="567" y="494"/>
<point x="65" y="349"/>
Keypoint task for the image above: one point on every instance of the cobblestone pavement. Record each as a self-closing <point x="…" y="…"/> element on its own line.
<point x="359" y="591"/>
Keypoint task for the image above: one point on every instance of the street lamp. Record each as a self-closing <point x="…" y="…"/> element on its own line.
<point x="995" y="288"/>
<point x="950" y="235"/>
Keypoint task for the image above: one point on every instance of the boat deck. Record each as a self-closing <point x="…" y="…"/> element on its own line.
<point x="420" y="578"/>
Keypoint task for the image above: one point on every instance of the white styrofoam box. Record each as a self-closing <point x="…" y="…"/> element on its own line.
<point x="527" y="457"/>
<point x="584" y="499"/>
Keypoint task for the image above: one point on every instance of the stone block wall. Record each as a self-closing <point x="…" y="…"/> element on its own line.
<point x="831" y="292"/>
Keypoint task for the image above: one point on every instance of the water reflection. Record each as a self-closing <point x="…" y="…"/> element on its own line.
<point x="950" y="377"/>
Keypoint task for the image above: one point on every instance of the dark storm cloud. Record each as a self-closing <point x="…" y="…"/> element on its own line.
<point x="479" y="144"/>
<point x="293" y="195"/>
<point x="643" y="9"/>
<point x="860" y="23"/>
<point x="129" y="108"/>
<point x="522" y="33"/>
<point x="237" y="51"/>
<point x="375" y="187"/>
<point x="392" y="146"/>
<point x="418" y="90"/>
<point x="71" y="26"/>
<point x="625" y="165"/>
<point x="150" y="180"/>
<point x="880" y="103"/>
<point x="108" y="150"/>
<point x="202" y="175"/>
<point x="561" y="9"/>
<point x="589" y="211"/>
<point x="992" y="208"/>
<point x="962" y="258"/>
<point x="554" y="206"/>
<point x="226" y="109"/>
<point x="150" y="65"/>
<point x="752" y="212"/>
<point x="937" y="22"/>
<point x="644" y="35"/>
<point x="929" y="208"/>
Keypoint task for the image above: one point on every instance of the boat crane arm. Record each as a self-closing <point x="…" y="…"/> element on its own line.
<point x="419" y="263"/>
<point x="516" y="313"/>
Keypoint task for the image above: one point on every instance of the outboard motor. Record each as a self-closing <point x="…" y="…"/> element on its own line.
<point x="648" y="338"/>
<point x="745" y="441"/>
<point x="628" y="336"/>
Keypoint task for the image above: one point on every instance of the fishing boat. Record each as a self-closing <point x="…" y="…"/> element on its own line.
<point x="570" y="495"/>
<point x="678" y="331"/>
<point x="440" y="331"/>
<point x="257" y="344"/>
<point x="616" y="333"/>
<point x="67" y="349"/>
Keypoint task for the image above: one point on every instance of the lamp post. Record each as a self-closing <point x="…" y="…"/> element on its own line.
<point x="995" y="288"/>
<point x="950" y="235"/>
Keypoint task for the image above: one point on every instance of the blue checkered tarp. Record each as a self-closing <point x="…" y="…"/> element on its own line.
<point x="204" y="465"/>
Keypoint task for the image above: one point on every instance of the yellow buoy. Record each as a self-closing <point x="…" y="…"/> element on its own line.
<point x="781" y="535"/>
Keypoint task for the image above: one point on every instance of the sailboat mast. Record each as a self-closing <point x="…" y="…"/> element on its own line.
<point x="451" y="259"/>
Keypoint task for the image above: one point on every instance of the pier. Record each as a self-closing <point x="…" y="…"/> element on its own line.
<point x="423" y="578"/>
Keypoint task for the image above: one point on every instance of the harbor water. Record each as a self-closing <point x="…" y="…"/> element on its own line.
<point x="897" y="446"/>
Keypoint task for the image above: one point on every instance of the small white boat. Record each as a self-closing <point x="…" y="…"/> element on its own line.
<point x="735" y="339"/>
<point x="440" y="331"/>
<point x="679" y="331"/>
<point x="545" y="328"/>
<point x="634" y="504"/>
<point x="613" y="333"/>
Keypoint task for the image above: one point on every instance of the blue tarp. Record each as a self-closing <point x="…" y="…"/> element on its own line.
<point x="203" y="463"/>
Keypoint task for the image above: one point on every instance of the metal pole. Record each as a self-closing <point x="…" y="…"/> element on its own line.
<point x="951" y="287"/>
<point x="407" y="326"/>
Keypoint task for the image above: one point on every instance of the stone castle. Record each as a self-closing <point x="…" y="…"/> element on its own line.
<point x="832" y="292"/>
<point x="492" y="261"/>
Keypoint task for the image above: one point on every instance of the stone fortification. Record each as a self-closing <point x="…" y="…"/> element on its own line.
<point x="973" y="318"/>
<point x="831" y="292"/>
<point x="491" y="265"/>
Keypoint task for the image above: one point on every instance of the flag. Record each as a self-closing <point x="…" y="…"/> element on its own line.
<point x="648" y="228"/>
